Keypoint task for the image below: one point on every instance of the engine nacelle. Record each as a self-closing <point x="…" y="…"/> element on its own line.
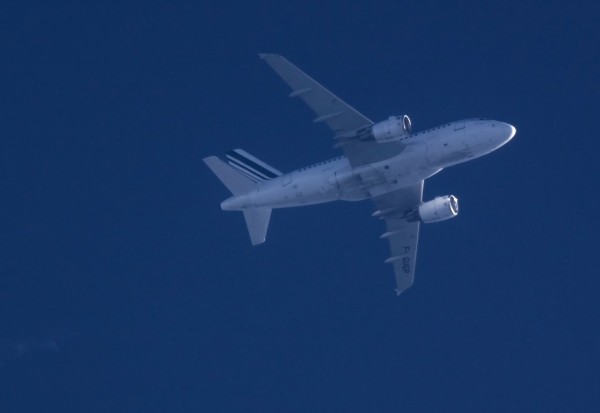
<point x="439" y="209"/>
<point x="392" y="129"/>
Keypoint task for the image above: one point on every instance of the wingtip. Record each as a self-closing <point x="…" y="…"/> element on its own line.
<point x="265" y="55"/>
<point x="209" y="158"/>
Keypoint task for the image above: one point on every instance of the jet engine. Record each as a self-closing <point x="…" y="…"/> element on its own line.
<point x="439" y="209"/>
<point x="392" y="129"/>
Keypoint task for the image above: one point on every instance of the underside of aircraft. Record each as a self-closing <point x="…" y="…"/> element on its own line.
<point x="386" y="162"/>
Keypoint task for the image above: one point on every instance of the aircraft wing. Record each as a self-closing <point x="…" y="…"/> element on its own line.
<point x="402" y="235"/>
<point x="330" y="109"/>
<point x="342" y="118"/>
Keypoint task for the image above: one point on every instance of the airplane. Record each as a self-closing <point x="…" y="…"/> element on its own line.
<point x="386" y="162"/>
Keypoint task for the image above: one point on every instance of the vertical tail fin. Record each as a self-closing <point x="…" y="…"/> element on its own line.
<point x="251" y="166"/>
<point x="239" y="183"/>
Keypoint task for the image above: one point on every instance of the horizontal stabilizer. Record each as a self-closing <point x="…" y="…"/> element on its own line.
<point x="257" y="221"/>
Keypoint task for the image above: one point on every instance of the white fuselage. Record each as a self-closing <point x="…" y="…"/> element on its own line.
<point x="426" y="153"/>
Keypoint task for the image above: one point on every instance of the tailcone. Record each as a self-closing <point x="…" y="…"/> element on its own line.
<point x="235" y="203"/>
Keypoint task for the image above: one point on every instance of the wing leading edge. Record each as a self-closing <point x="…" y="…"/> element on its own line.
<point x="402" y="235"/>
<point x="343" y="119"/>
<point x="331" y="110"/>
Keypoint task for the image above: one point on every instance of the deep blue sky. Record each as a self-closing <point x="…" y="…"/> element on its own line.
<point x="113" y="245"/>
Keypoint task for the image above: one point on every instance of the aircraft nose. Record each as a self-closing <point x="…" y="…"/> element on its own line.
<point x="508" y="131"/>
<point x="502" y="133"/>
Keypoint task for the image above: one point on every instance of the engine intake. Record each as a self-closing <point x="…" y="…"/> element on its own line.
<point x="392" y="129"/>
<point x="438" y="209"/>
